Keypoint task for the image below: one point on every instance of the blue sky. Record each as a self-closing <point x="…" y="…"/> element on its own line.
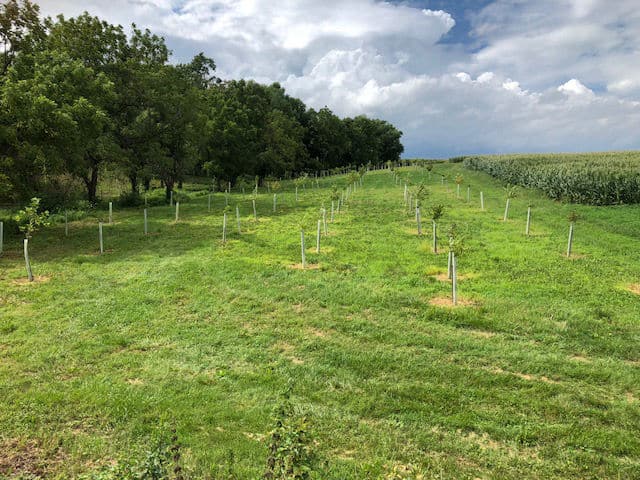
<point x="457" y="77"/>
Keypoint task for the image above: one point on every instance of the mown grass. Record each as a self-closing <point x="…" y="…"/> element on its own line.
<point x="538" y="378"/>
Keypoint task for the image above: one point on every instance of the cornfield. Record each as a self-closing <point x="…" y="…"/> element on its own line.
<point x="593" y="178"/>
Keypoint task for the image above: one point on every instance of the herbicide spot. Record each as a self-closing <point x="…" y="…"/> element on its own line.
<point x="298" y="308"/>
<point x="442" y="277"/>
<point x="446" y="302"/>
<point x="483" y="440"/>
<point x="287" y="350"/>
<point x="22" y="459"/>
<point x="258" y="437"/>
<point x="36" y="279"/>
<point x="317" y="333"/>
<point x="580" y="358"/>
<point x="635" y="288"/>
<point x="309" y="266"/>
<point x="631" y="398"/>
<point x="524" y="376"/>
<point x="575" y="256"/>
<point x="481" y="333"/>
<point x="135" y="381"/>
<point x="345" y="454"/>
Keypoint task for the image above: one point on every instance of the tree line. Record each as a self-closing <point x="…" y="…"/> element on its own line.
<point x="80" y="97"/>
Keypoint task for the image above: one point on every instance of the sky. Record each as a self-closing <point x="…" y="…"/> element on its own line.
<point x="455" y="76"/>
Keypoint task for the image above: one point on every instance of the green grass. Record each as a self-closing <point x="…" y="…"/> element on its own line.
<point x="539" y="378"/>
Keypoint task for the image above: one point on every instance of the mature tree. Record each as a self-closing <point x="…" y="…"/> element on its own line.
<point x="174" y="107"/>
<point x="326" y="139"/>
<point x="283" y="149"/>
<point x="57" y="111"/>
<point x="20" y="30"/>
<point x="135" y="128"/>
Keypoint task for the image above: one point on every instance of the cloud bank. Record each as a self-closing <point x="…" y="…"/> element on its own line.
<point x="559" y="75"/>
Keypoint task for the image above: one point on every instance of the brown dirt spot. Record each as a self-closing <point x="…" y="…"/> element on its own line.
<point x="22" y="458"/>
<point x="580" y="358"/>
<point x="480" y="333"/>
<point x="525" y="376"/>
<point x="446" y="302"/>
<point x="287" y="350"/>
<point x="258" y="437"/>
<point x="635" y="288"/>
<point x="631" y="398"/>
<point x="345" y="454"/>
<point x="317" y="333"/>
<point x="36" y="279"/>
<point x="298" y="308"/>
<point x="310" y="266"/>
<point x="483" y="440"/>
<point x="442" y="277"/>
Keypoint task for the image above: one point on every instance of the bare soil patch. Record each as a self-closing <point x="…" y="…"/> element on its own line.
<point x="27" y="458"/>
<point x="310" y="266"/>
<point x="446" y="302"/>
<point x="634" y="288"/>
<point x="36" y="279"/>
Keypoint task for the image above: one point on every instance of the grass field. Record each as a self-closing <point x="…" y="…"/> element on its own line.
<point x="537" y="376"/>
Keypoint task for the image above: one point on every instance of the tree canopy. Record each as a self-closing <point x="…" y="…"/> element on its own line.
<point x="79" y="97"/>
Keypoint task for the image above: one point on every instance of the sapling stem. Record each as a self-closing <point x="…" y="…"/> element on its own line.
<point x="458" y="191"/>
<point x="318" y="238"/>
<point x="255" y="213"/>
<point x="110" y="213"/>
<point x="506" y="209"/>
<point x="66" y="228"/>
<point x="238" y="219"/>
<point x="177" y="211"/>
<point x="296" y="193"/>
<point x="275" y="195"/>
<point x="449" y="265"/>
<point x="1" y="237"/>
<point x="304" y="258"/>
<point x="419" y="220"/>
<point x="146" y="229"/>
<point x="100" y="237"/>
<point x="481" y="200"/>
<point x="171" y="198"/>
<point x="209" y="204"/>
<point x="528" y="221"/>
<point x="26" y="260"/>
<point x="468" y="194"/>
<point x="332" y="208"/>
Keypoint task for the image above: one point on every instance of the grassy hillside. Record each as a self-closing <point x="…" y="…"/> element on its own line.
<point x="537" y="375"/>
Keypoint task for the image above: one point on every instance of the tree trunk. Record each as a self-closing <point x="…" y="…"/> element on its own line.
<point x="133" y="178"/>
<point x="168" y="189"/>
<point x="91" y="183"/>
